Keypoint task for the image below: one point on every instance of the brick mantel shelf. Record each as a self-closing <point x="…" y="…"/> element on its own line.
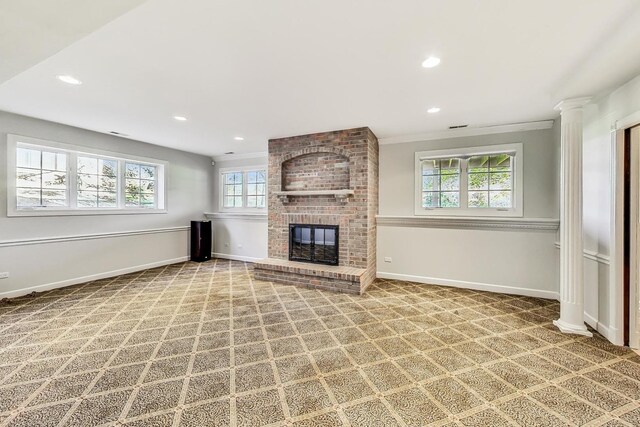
<point x="338" y="194"/>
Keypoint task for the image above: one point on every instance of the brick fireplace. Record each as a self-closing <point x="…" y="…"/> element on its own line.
<point x="323" y="179"/>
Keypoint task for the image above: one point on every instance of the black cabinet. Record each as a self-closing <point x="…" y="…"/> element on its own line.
<point x="200" y="241"/>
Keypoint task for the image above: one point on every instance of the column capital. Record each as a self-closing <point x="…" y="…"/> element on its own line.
<point x="572" y="103"/>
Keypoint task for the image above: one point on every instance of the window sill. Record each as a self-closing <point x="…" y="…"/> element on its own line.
<point x="82" y="212"/>
<point x="461" y="222"/>
<point x="247" y="216"/>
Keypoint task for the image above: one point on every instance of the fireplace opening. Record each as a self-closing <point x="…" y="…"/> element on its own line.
<point x="313" y="243"/>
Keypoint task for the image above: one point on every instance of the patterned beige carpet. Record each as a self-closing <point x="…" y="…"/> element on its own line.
<point x="206" y="345"/>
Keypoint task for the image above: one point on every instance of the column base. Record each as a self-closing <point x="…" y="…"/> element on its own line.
<point x="572" y="329"/>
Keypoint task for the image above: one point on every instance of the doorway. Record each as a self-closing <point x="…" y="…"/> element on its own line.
<point x="631" y="266"/>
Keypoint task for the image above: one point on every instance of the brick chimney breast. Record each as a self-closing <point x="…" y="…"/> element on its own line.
<point x="328" y="178"/>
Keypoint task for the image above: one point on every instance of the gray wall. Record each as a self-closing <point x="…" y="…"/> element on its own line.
<point x="514" y="261"/>
<point x="541" y="200"/>
<point x="242" y="238"/>
<point x="38" y="266"/>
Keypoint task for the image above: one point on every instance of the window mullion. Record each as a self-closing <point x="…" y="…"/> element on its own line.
<point x="72" y="190"/>
<point x="41" y="173"/>
<point x="244" y="189"/>
<point x="464" y="184"/>
<point x="121" y="184"/>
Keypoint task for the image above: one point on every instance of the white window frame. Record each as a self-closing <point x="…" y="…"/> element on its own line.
<point x="243" y="170"/>
<point x="73" y="151"/>
<point x="517" y="175"/>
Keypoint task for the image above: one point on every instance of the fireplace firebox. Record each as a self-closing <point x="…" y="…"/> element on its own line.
<point x="313" y="243"/>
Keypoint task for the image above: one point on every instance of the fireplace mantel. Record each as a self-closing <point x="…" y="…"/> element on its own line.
<point x="338" y="194"/>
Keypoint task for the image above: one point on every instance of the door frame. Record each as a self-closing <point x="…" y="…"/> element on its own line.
<point x="617" y="253"/>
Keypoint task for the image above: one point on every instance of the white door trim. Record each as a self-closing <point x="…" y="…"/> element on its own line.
<point x="634" y="217"/>
<point x="616" y="256"/>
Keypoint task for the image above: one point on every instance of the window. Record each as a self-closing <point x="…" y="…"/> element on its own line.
<point x="50" y="178"/>
<point x="476" y="181"/>
<point x="233" y="189"/>
<point x="256" y="189"/>
<point x="243" y="189"/>
<point x="491" y="181"/>
<point x="41" y="178"/>
<point x="97" y="182"/>
<point x="140" y="185"/>
<point x="441" y="183"/>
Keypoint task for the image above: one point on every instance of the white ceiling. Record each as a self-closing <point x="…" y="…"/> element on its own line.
<point x="264" y="69"/>
<point x="33" y="30"/>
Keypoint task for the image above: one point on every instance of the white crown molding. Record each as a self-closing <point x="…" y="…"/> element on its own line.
<point x="59" y="239"/>
<point x="471" y="131"/>
<point x="240" y="156"/>
<point x="237" y="216"/>
<point x="478" y="223"/>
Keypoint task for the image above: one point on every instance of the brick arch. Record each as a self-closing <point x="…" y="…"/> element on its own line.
<point x="315" y="169"/>
<point x="312" y="150"/>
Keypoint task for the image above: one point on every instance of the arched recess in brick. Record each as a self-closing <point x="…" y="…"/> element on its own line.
<point x="315" y="169"/>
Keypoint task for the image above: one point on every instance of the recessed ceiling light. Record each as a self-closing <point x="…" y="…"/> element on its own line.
<point x="433" y="110"/>
<point x="238" y="138"/>
<point x="180" y="118"/>
<point x="431" y="62"/>
<point x="69" y="79"/>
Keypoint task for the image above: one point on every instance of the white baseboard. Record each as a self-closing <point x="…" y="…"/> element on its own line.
<point x="615" y="336"/>
<point x="604" y="330"/>
<point x="235" y="257"/>
<point x="590" y="320"/>
<point x="83" y="279"/>
<point x="470" y="285"/>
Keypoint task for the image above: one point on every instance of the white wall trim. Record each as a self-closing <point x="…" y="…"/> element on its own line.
<point x="596" y="256"/>
<point x="59" y="239"/>
<point x="627" y="122"/>
<point x="238" y="216"/>
<point x="591" y="255"/>
<point x="471" y="131"/>
<point x="227" y="157"/>
<point x="235" y="257"/>
<point x="470" y="285"/>
<point x="479" y="223"/>
<point x="616" y="239"/>
<point x="598" y="326"/>
<point x="83" y="279"/>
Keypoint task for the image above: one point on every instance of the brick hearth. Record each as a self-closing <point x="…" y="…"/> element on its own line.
<point x="327" y="178"/>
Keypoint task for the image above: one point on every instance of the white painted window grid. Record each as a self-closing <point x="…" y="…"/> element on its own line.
<point x="89" y="181"/>
<point x="243" y="189"/>
<point x="472" y="181"/>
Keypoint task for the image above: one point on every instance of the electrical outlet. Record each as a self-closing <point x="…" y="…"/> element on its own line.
<point x="4" y="275"/>
<point x="387" y="259"/>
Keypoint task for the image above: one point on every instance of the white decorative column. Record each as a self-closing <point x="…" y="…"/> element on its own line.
<point x="571" y="263"/>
